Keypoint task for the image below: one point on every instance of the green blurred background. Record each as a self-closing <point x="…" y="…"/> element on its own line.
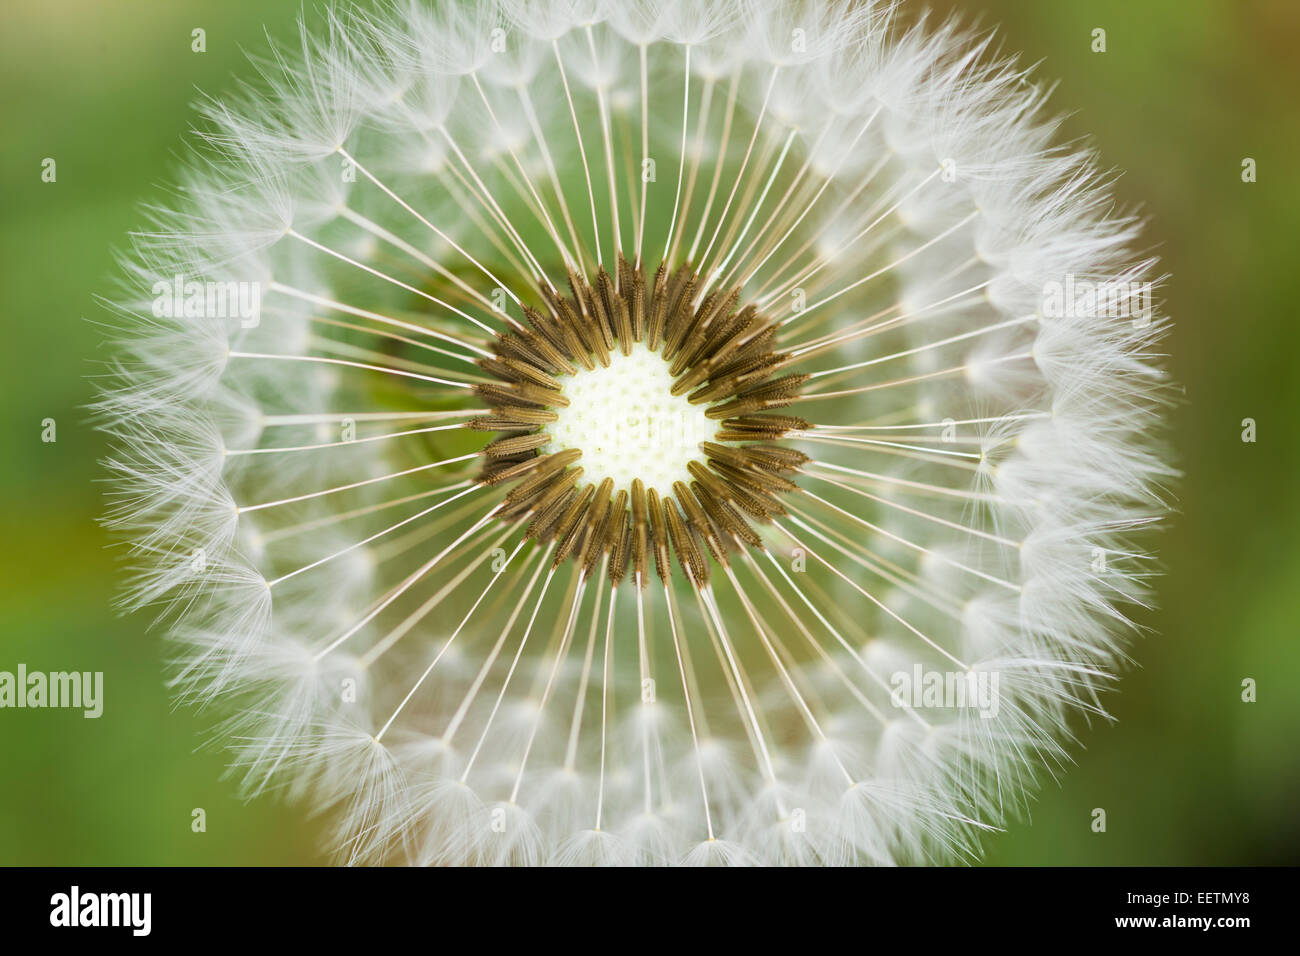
<point x="1189" y="774"/>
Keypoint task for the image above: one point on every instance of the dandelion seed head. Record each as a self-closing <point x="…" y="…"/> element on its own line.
<point x="618" y="433"/>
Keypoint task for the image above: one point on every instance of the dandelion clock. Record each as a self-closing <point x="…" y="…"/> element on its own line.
<point x="639" y="433"/>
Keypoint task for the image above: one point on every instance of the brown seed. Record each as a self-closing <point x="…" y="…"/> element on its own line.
<point x="579" y="519"/>
<point x="549" y="512"/>
<point x="658" y="308"/>
<point x="535" y="499"/>
<point x="620" y="550"/>
<point x="728" y="519"/>
<point x="517" y="444"/>
<point x="683" y="544"/>
<point x="700" y="522"/>
<point x="658" y="535"/>
<point x="604" y="530"/>
<point x="511" y="417"/>
<point x="640" y="530"/>
<point x="544" y="465"/>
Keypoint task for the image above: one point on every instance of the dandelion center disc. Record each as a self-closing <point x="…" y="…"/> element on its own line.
<point x="636" y="421"/>
<point x="629" y="425"/>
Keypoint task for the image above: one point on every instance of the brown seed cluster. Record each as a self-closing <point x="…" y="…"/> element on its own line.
<point x="721" y="357"/>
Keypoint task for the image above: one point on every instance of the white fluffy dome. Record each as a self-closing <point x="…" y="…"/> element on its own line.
<point x="869" y="665"/>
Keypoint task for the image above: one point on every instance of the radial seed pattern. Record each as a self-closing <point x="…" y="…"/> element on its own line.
<point x="719" y="356"/>
<point x="405" y="543"/>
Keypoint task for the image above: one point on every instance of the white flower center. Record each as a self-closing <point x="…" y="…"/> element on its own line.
<point x="629" y="425"/>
